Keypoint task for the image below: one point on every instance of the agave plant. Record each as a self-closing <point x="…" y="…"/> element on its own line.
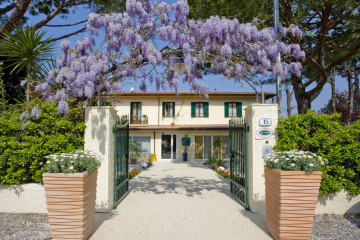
<point x="29" y="49"/>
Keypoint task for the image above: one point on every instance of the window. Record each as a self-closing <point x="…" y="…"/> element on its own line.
<point x="212" y="146"/>
<point x="233" y="109"/>
<point x="144" y="141"/>
<point x="199" y="109"/>
<point x="168" y="109"/>
<point x="135" y="112"/>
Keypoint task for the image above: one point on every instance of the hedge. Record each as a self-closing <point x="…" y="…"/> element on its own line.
<point x="322" y="134"/>
<point x="22" y="151"/>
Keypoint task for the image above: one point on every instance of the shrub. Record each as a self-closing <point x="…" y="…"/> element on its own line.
<point x="325" y="136"/>
<point x="22" y="151"/>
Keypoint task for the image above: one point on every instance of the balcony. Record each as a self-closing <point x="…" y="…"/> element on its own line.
<point x="136" y="120"/>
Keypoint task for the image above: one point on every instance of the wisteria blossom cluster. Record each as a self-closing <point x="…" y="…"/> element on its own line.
<point x="294" y="160"/>
<point x="157" y="43"/>
<point x="77" y="162"/>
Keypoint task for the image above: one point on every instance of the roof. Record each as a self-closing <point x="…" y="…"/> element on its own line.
<point x="181" y="127"/>
<point x="267" y="95"/>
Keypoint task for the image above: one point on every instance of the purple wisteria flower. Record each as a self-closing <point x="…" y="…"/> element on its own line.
<point x="35" y="112"/>
<point x="131" y="51"/>
<point x="24" y="115"/>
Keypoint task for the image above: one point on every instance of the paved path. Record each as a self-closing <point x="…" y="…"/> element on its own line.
<point x="171" y="201"/>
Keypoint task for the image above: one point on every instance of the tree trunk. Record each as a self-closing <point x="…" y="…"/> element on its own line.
<point x="351" y="93"/>
<point x="289" y="94"/>
<point x="333" y="94"/>
<point x="28" y="82"/>
<point x="18" y="12"/>
<point x="303" y="99"/>
<point x="356" y="91"/>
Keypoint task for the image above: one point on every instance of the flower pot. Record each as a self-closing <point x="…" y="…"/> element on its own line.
<point x="291" y="199"/>
<point x="172" y="124"/>
<point x="70" y="200"/>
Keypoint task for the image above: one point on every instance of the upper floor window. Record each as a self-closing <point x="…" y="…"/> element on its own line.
<point x="135" y="112"/>
<point x="233" y="109"/>
<point x="168" y="109"/>
<point x="199" y="109"/>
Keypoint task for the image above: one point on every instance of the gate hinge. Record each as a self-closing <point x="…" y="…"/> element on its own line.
<point x="247" y="128"/>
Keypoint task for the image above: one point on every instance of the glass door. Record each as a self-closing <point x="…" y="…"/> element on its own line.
<point x="168" y="147"/>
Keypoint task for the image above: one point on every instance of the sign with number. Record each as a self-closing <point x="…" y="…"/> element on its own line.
<point x="265" y="122"/>
<point x="265" y="133"/>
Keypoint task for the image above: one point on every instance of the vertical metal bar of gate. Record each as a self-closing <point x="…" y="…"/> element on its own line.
<point x="238" y="160"/>
<point x="121" y="160"/>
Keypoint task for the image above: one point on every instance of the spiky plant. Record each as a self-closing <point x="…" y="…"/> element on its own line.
<point x="29" y="49"/>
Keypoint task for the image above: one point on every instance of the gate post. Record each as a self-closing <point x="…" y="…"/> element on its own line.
<point x="99" y="138"/>
<point x="259" y="139"/>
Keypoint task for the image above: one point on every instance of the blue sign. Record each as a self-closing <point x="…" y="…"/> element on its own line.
<point x="185" y="141"/>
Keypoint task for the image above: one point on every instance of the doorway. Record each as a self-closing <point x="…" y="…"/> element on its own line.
<point x="169" y="147"/>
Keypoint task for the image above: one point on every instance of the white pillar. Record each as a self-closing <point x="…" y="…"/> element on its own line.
<point x="99" y="137"/>
<point x="255" y="161"/>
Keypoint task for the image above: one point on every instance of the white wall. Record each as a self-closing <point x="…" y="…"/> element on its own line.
<point x="338" y="203"/>
<point x="99" y="138"/>
<point x="152" y="107"/>
<point x="25" y="198"/>
<point x="256" y="179"/>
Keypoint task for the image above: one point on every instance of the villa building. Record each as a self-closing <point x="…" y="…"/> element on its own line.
<point x="163" y="123"/>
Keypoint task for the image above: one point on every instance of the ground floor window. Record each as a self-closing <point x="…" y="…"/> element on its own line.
<point x="212" y="146"/>
<point x="144" y="141"/>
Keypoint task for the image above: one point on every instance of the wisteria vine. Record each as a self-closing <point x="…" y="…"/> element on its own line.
<point x="131" y="38"/>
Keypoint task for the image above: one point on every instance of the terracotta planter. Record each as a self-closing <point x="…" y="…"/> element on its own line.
<point x="70" y="200"/>
<point x="291" y="198"/>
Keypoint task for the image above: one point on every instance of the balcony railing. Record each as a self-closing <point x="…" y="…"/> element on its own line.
<point x="136" y="120"/>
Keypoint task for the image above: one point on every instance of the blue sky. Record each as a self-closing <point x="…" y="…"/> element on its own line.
<point x="214" y="82"/>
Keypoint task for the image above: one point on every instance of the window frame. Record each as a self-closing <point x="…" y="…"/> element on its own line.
<point x="212" y="146"/>
<point x="131" y="138"/>
<point x="138" y="117"/>
<point x="168" y="108"/>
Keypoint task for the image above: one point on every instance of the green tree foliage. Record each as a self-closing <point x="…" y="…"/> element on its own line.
<point x="322" y="134"/>
<point x="22" y="151"/>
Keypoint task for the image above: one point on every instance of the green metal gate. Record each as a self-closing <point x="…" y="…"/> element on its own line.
<point x="121" y="160"/>
<point x="238" y="160"/>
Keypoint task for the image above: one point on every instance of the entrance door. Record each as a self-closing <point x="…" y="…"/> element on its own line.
<point x="168" y="147"/>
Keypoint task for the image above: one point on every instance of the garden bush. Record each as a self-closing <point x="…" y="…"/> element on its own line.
<point x="23" y="144"/>
<point x="338" y="145"/>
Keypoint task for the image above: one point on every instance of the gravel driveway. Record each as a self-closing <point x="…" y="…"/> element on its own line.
<point x="35" y="226"/>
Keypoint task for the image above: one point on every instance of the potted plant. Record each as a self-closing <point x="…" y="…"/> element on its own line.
<point x="135" y="151"/>
<point x="292" y="183"/>
<point x="70" y="189"/>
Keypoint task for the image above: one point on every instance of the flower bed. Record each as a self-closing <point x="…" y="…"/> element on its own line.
<point x="223" y="172"/>
<point x="133" y="173"/>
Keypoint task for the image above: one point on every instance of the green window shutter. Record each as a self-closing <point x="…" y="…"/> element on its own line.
<point x="226" y="106"/>
<point x="239" y="109"/>
<point x="163" y="110"/>
<point x="206" y="109"/>
<point x="131" y="112"/>
<point x="173" y="109"/>
<point x="140" y="109"/>
<point x="193" y="109"/>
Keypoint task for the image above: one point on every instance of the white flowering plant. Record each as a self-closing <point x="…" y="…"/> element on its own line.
<point x="294" y="160"/>
<point x="77" y="162"/>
